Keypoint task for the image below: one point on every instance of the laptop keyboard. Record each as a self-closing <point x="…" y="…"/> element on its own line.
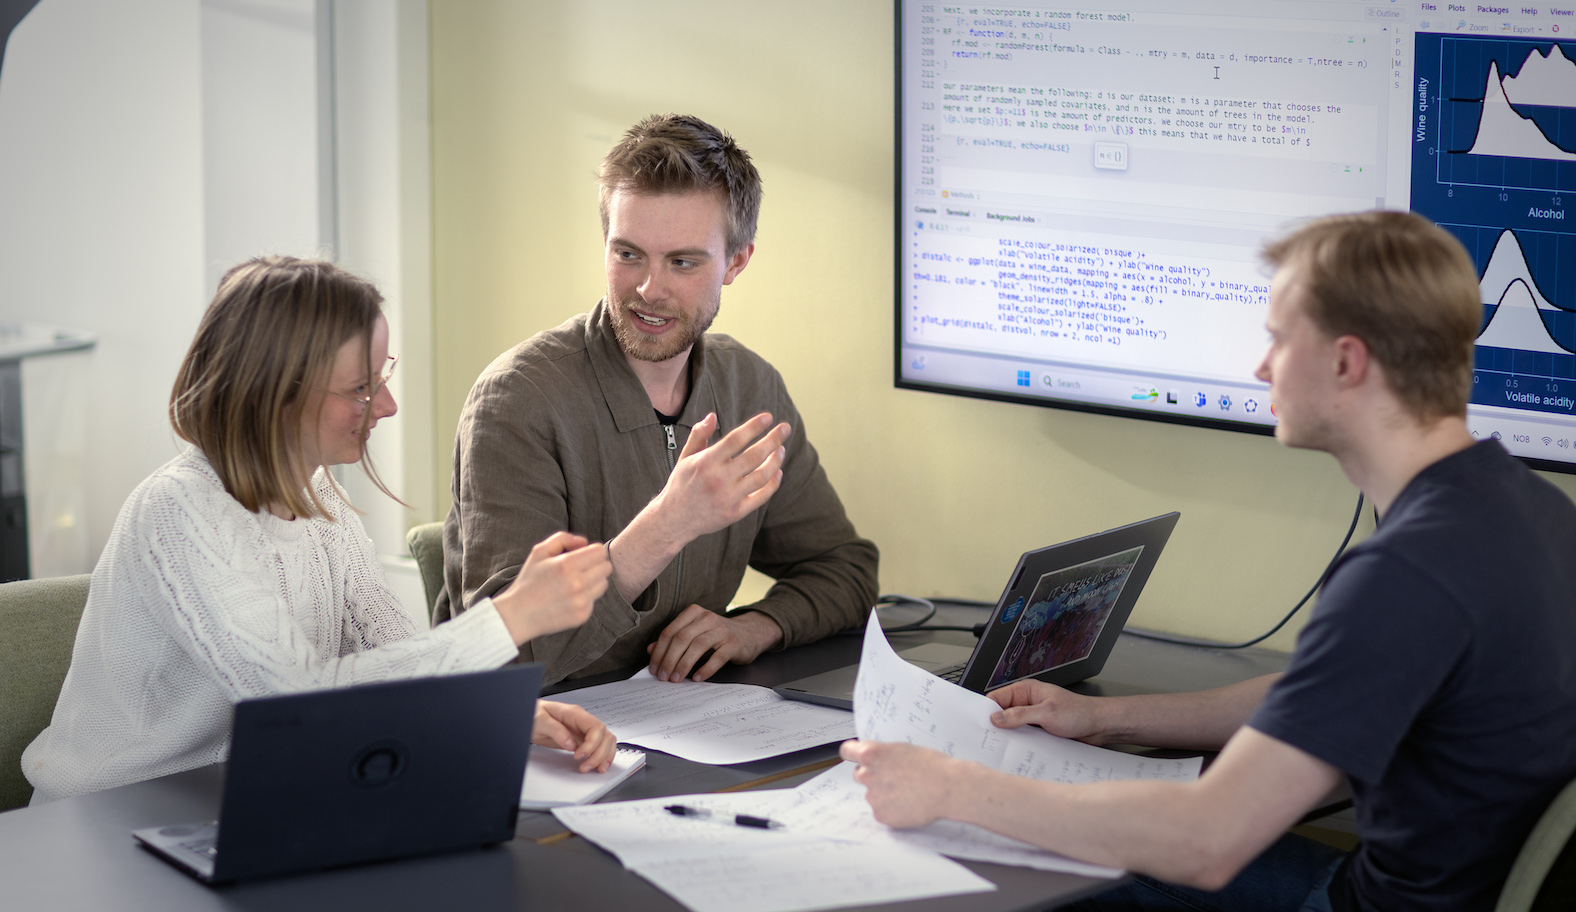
<point x="953" y="673"/>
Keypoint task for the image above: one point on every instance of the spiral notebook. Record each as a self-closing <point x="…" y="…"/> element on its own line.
<point x="553" y="778"/>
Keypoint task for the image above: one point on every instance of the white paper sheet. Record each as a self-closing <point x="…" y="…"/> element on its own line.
<point x="818" y="875"/>
<point x="553" y="777"/>
<point x="638" y="832"/>
<point x="896" y="701"/>
<point x="710" y="723"/>
<point x="714" y="866"/>
<point x="833" y="805"/>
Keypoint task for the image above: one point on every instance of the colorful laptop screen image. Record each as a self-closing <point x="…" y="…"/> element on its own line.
<point x="1061" y="620"/>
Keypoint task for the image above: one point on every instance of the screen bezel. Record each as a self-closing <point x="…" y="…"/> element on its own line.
<point x="900" y="382"/>
<point x="1042" y="401"/>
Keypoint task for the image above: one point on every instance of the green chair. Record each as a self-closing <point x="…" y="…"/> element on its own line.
<point x="426" y="546"/>
<point x="1543" y="879"/>
<point x="38" y="626"/>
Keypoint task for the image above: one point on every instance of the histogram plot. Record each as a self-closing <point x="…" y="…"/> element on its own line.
<point x="1524" y="357"/>
<point x="1502" y="128"/>
<point x="1518" y="299"/>
<point x="1465" y="106"/>
<point x="1493" y="156"/>
<point x="1505" y="111"/>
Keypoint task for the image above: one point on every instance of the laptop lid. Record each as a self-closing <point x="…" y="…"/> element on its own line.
<point x="328" y="778"/>
<point x="1058" y="618"/>
<point x="1065" y="606"/>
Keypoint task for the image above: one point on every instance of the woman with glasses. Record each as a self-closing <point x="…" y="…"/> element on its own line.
<point x="239" y="569"/>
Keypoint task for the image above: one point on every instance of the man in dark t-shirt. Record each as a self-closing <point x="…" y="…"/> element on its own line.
<point x="1436" y="672"/>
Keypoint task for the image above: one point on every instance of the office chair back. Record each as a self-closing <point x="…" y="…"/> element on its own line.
<point x="1543" y="879"/>
<point x="426" y="546"/>
<point x="38" y="627"/>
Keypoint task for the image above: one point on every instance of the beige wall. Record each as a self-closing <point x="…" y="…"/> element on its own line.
<point x="526" y="99"/>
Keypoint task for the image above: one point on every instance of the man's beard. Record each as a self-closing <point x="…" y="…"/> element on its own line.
<point x="675" y="341"/>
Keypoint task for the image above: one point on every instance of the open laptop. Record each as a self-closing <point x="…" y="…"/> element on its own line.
<point x="1057" y="620"/>
<point x="336" y="777"/>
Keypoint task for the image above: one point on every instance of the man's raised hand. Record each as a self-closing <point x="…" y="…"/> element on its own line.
<point x="715" y="485"/>
<point x="712" y="486"/>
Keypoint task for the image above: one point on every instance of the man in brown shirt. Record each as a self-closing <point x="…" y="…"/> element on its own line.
<point x="608" y="426"/>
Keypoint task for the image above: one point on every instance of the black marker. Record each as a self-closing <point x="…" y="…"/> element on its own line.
<point x="744" y="820"/>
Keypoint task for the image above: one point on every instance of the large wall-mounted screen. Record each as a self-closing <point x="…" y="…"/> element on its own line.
<point x="1083" y="192"/>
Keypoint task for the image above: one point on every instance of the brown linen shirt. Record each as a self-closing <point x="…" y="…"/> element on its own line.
<point x="558" y="433"/>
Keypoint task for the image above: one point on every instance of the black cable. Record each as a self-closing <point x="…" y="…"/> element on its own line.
<point x="978" y="629"/>
<point x="1328" y="569"/>
<point x="969" y="603"/>
<point x="894" y="598"/>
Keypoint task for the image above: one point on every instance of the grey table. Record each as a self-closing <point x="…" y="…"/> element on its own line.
<point x="79" y="853"/>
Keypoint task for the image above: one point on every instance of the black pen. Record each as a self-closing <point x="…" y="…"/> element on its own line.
<point x="744" y="820"/>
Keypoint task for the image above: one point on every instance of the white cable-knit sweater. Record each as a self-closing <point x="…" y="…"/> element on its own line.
<point x="197" y="603"/>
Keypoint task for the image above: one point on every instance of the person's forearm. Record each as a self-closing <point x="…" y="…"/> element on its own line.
<point x="760" y="631"/>
<point x="1150" y="827"/>
<point x="1200" y="833"/>
<point x="643" y="550"/>
<point x="818" y="596"/>
<point x="1204" y="720"/>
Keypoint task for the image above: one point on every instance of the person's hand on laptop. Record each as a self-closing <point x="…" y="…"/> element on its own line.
<point x="1057" y="710"/>
<point x="697" y="631"/>
<point x="571" y="728"/>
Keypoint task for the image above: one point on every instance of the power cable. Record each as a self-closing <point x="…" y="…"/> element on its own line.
<point x="893" y="598"/>
<point x="1212" y="644"/>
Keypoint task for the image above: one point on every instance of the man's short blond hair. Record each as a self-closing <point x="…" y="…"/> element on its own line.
<point x="678" y="153"/>
<point x="1402" y="285"/>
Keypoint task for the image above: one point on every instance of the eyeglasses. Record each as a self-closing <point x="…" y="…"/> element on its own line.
<point x="377" y="386"/>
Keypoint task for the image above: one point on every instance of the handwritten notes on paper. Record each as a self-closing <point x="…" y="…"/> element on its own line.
<point x="833" y="805"/>
<point x="831" y="851"/>
<point x="813" y="875"/>
<point x="896" y="701"/>
<point x="714" y="866"/>
<point x="710" y="723"/>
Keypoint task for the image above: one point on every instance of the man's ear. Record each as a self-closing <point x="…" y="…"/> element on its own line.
<point x="1353" y="361"/>
<point x="737" y="262"/>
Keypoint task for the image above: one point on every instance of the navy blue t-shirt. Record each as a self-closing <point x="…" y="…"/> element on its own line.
<point x="1438" y="671"/>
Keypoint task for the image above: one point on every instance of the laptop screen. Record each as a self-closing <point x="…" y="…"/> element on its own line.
<point x="1060" y="621"/>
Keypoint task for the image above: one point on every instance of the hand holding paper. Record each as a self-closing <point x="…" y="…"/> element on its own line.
<point x="899" y="709"/>
<point x="896" y="701"/>
<point x="833" y="805"/>
<point x="905" y="786"/>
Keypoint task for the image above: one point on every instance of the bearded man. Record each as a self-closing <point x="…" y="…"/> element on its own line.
<point x="632" y="424"/>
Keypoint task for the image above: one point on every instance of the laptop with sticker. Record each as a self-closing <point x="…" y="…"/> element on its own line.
<point x="1057" y="619"/>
